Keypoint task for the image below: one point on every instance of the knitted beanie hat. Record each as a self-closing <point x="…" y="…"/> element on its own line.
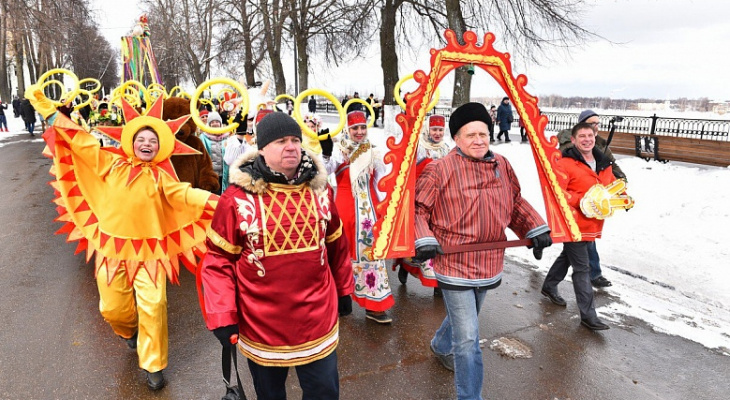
<point x="276" y="126"/>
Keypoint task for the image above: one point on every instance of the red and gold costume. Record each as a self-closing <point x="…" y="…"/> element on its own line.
<point x="277" y="262"/>
<point x="135" y="216"/>
<point x="358" y="167"/>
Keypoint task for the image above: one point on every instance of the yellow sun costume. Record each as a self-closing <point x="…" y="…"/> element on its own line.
<point x="133" y="215"/>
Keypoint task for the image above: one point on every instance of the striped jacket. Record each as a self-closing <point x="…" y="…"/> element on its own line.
<point x="461" y="200"/>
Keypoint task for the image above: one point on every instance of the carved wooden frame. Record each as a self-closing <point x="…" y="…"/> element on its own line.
<point x="394" y="230"/>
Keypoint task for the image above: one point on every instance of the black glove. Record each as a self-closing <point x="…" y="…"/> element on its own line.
<point x="327" y="145"/>
<point x="224" y="334"/>
<point x="344" y="305"/>
<point x="540" y="242"/>
<point x="427" y="252"/>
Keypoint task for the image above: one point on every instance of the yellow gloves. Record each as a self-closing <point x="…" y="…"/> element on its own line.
<point x="40" y="102"/>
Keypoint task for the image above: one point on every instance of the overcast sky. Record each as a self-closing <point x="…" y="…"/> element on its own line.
<point x="663" y="49"/>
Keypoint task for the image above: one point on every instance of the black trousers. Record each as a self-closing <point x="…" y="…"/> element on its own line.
<point x="574" y="254"/>
<point x="319" y="380"/>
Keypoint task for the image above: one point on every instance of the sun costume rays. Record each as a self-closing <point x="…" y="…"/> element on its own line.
<point x="105" y="195"/>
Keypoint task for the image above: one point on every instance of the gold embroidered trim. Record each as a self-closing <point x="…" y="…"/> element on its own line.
<point x="293" y="362"/>
<point x="219" y="241"/>
<point x="331" y="238"/>
<point x="288" y="349"/>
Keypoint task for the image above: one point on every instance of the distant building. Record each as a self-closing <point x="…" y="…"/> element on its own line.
<point x="666" y="106"/>
<point x="720" y="107"/>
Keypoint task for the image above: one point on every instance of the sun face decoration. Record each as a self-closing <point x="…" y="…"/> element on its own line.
<point x="129" y="213"/>
<point x="165" y="130"/>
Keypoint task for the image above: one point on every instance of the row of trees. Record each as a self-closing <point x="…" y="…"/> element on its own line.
<point x="40" y="35"/>
<point x="193" y="37"/>
<point x="194" y="34"/>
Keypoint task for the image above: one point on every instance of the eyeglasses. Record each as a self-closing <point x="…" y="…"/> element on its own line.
<point x="593" y="123"/>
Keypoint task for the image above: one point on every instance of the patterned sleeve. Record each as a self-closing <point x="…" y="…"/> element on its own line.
<point x="338" y="252"/>
<point x="219" y="265"/>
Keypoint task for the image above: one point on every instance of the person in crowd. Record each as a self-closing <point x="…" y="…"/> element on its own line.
<point x="592" y="119"/>
<point x="376" y="110"/>
<point x="239" y="145"/>
<point x="215" y="145"/>
<point x="585" y="166"/>
<point x="493" y="118"/>
<point x="451" y="196"/>
<point x="132" y="204"/>
<point x="523" y="135"/>
<point x="355" y="106"/>
<point x="358" y="167"/>
<point x="3" y="119"/>
<point x="16" y="106"/>
<point x="312" y="105"/>
<point x="28" y="113"/>
<point x="504" y="119"/>
<point x="277" y="272"/>
<point x="431" y="146"/>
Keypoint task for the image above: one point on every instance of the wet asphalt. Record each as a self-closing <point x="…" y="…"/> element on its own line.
<point x="55" y="345"/>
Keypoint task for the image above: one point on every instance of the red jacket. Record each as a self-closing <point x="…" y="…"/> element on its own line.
<point x="580" y="178"/>
<point x="277" y="262"/>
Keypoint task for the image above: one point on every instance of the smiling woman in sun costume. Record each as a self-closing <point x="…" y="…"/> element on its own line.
<point x="127" y="207"/>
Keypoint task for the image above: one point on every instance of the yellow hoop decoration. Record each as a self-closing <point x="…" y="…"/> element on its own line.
<point x="90" y="80"/>
<point x="138" y="98"/>
<point x="68" y="95"/>
<point x="284" y="96"/>
<point x="181" y="93"/>
<point x="370" y="108"/>
<point x="156" y="88"/>
<point x="298" y="113"/>
<point x="195" y="114"/>
<point x="85" y="103"/>
<point x="399" y="99"/>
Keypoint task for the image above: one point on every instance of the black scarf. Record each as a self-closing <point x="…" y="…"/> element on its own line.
<point x="258" y="169"/>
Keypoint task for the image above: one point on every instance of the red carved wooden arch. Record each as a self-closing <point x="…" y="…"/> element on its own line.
<point x="394" y="231"/>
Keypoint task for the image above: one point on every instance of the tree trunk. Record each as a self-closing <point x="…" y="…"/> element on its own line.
<point x="302" y="63"/>
<point x="388" y="54"/>
<point x="4" y="78"/>
<point x="249" y="69"/>
<point x="462" y="79"/>
<point x="19" y="62"/>
<point x="273" y="44"/>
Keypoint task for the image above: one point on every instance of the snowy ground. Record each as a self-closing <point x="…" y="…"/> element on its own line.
<point x="668" y="257"/>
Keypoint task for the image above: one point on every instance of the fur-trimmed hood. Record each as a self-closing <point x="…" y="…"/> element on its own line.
<point x="244" y="179"/>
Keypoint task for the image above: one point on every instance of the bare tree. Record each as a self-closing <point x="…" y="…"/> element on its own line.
<point x="333" y="29"/>
<point x="532" y="28"/>
<point x="4" y="63"/>
<point x="189" y="24"/>
<point x="274" y="14"/>
<point x="241" y="38"/>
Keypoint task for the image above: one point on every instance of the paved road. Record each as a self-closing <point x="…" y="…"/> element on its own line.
<point x="55" y="345"/>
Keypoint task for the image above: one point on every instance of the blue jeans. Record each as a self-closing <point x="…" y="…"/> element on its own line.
<point x="593" y="260"/>
<point x="459" y="335"/>
<point x="319" y="380"/>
